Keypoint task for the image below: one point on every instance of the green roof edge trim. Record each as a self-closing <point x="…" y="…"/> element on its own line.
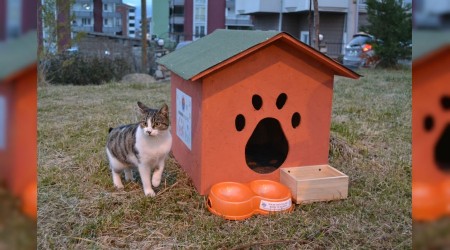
<point x="18" y="54"/>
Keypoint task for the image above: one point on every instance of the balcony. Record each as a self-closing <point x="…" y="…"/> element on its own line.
<point x="83" y="14"/>
<point x="324" y="5"/>
<point x="256" y="6"/>
<point x="260" y="6"/>
<point x="76" y="28"/>
<point x="112" y="1"/>
<point x="112" y="30"/>
<point x="177" y="2"/>
<point x="83" y="1"/>
<point x="238" y="22"/>
<point x="176" y="19"/>
<point x="362" y="5"/>
<point x="230" y="4"/>
<point x="111" y="14"/>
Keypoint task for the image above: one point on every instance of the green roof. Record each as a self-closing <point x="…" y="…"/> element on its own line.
<point x="211" y="50"/>
<point x="18" y="54"/>
<point x="427" y="41"/>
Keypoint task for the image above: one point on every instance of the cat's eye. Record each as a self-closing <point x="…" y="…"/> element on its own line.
<point x="145" y="124"/>
<point x="157" y="124"/>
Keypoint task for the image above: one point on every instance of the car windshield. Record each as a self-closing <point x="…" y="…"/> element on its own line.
<point x="360" y="40"/>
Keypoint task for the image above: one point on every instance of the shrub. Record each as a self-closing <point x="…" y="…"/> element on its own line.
<point x="77" y="69"/>
<point x="390" y="22"/>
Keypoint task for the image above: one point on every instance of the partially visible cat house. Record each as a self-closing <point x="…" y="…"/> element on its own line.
<point x="18" y="119"/>
<point x="246" y="103"/>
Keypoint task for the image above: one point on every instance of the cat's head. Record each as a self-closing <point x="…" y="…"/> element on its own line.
<point x="154" y="122"/>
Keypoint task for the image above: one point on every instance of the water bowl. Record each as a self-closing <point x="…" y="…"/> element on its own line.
<point x="239" y="201"/>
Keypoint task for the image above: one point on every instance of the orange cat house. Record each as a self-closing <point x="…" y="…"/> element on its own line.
<point x="431" y="135"/>
<point x="247" y="103"/>
<point x="18" y="118"/>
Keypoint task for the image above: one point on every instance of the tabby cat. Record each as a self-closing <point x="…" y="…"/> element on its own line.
<point x="144" y="145"/>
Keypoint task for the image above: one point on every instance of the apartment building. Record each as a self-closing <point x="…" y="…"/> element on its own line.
<point x="339" y="19"/>
<point x="192" y="19"/>
<point x="431" y="14"/>
<point x="235" y="21"/>
<point x="128" y="14"/>
<point x="149" y="29"/>
<point x="97" y="16"/>
<point x="160" y="18"/>
<point x="176" y="20"/>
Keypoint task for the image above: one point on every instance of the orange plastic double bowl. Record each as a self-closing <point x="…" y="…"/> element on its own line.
<point x="239" y="201"/>
<point x="430" y="201"/>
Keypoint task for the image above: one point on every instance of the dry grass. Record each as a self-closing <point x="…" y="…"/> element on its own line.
<point x="80" y="209"/>
<point x="16" y="230"/>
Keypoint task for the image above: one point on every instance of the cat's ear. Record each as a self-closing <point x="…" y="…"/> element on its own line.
<point x="142" y="107"/>
<point x="164" y="110"/>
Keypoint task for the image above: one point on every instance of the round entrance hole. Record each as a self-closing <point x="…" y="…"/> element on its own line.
<point x="267" y="148"/>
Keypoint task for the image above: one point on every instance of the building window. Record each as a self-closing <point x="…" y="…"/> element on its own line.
<point x="131" y="32"/>
<point x="131" y="25"/>
<point x="2" y="123"/>
<point x="200" y="14"/>
<point x="200" y="31"/>
<point x="304" y="37"/>
<point x="86" y="21"/>
<point x="14" y="18"/>
<point x="200" y="18"/>
<point x="105" y="7"/>
<point x="105" y="21"/>
<point x="131" y="18"/>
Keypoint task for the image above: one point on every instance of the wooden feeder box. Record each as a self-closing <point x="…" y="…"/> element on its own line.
<point x="315" y="183"/>
<point x="247" y="103"/>
<point x="431" y="135"/>
<point x="18" y="113"/>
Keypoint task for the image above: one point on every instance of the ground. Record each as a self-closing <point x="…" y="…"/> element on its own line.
<point x="17" y="231"/>
<point x="79" y="207"/>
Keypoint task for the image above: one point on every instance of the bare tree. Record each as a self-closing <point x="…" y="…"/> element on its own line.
<point x="144" y="35"/>
<point x="316" y="24"/>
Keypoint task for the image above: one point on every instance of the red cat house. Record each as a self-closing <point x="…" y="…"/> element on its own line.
<point x="431" y="135"/>
<point x="247" y="103"/>
<point x="18" y="117"/>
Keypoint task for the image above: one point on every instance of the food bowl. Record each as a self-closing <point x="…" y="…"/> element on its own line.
<point x="239" y="201"/>
<point x="315" y="183"/>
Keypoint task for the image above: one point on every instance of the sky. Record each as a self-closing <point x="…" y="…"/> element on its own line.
<point x="137" y="4"/>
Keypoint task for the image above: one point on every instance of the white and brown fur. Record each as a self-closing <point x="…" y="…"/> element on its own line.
<point x="144" y="145"/>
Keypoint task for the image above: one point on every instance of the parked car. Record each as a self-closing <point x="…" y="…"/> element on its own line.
<point x="182" y="44"/>
<point x="359" y="52"/>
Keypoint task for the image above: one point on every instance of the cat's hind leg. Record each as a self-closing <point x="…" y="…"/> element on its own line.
<point x="116" y="179"/>
<point x="116" y="169"/>
<point x="128" y="174"/>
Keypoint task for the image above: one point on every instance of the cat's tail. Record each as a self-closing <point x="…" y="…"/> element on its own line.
<point x="109" y="130"/>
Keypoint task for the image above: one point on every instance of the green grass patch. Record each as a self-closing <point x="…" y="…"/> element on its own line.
<point x="80" y="209"/>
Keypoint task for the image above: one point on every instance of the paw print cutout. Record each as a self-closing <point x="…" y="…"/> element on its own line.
<point x="442" y="147"/>
<point x="267" y="147"/>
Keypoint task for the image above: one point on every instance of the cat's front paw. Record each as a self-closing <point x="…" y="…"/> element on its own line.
<point x="150" y="193"/>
